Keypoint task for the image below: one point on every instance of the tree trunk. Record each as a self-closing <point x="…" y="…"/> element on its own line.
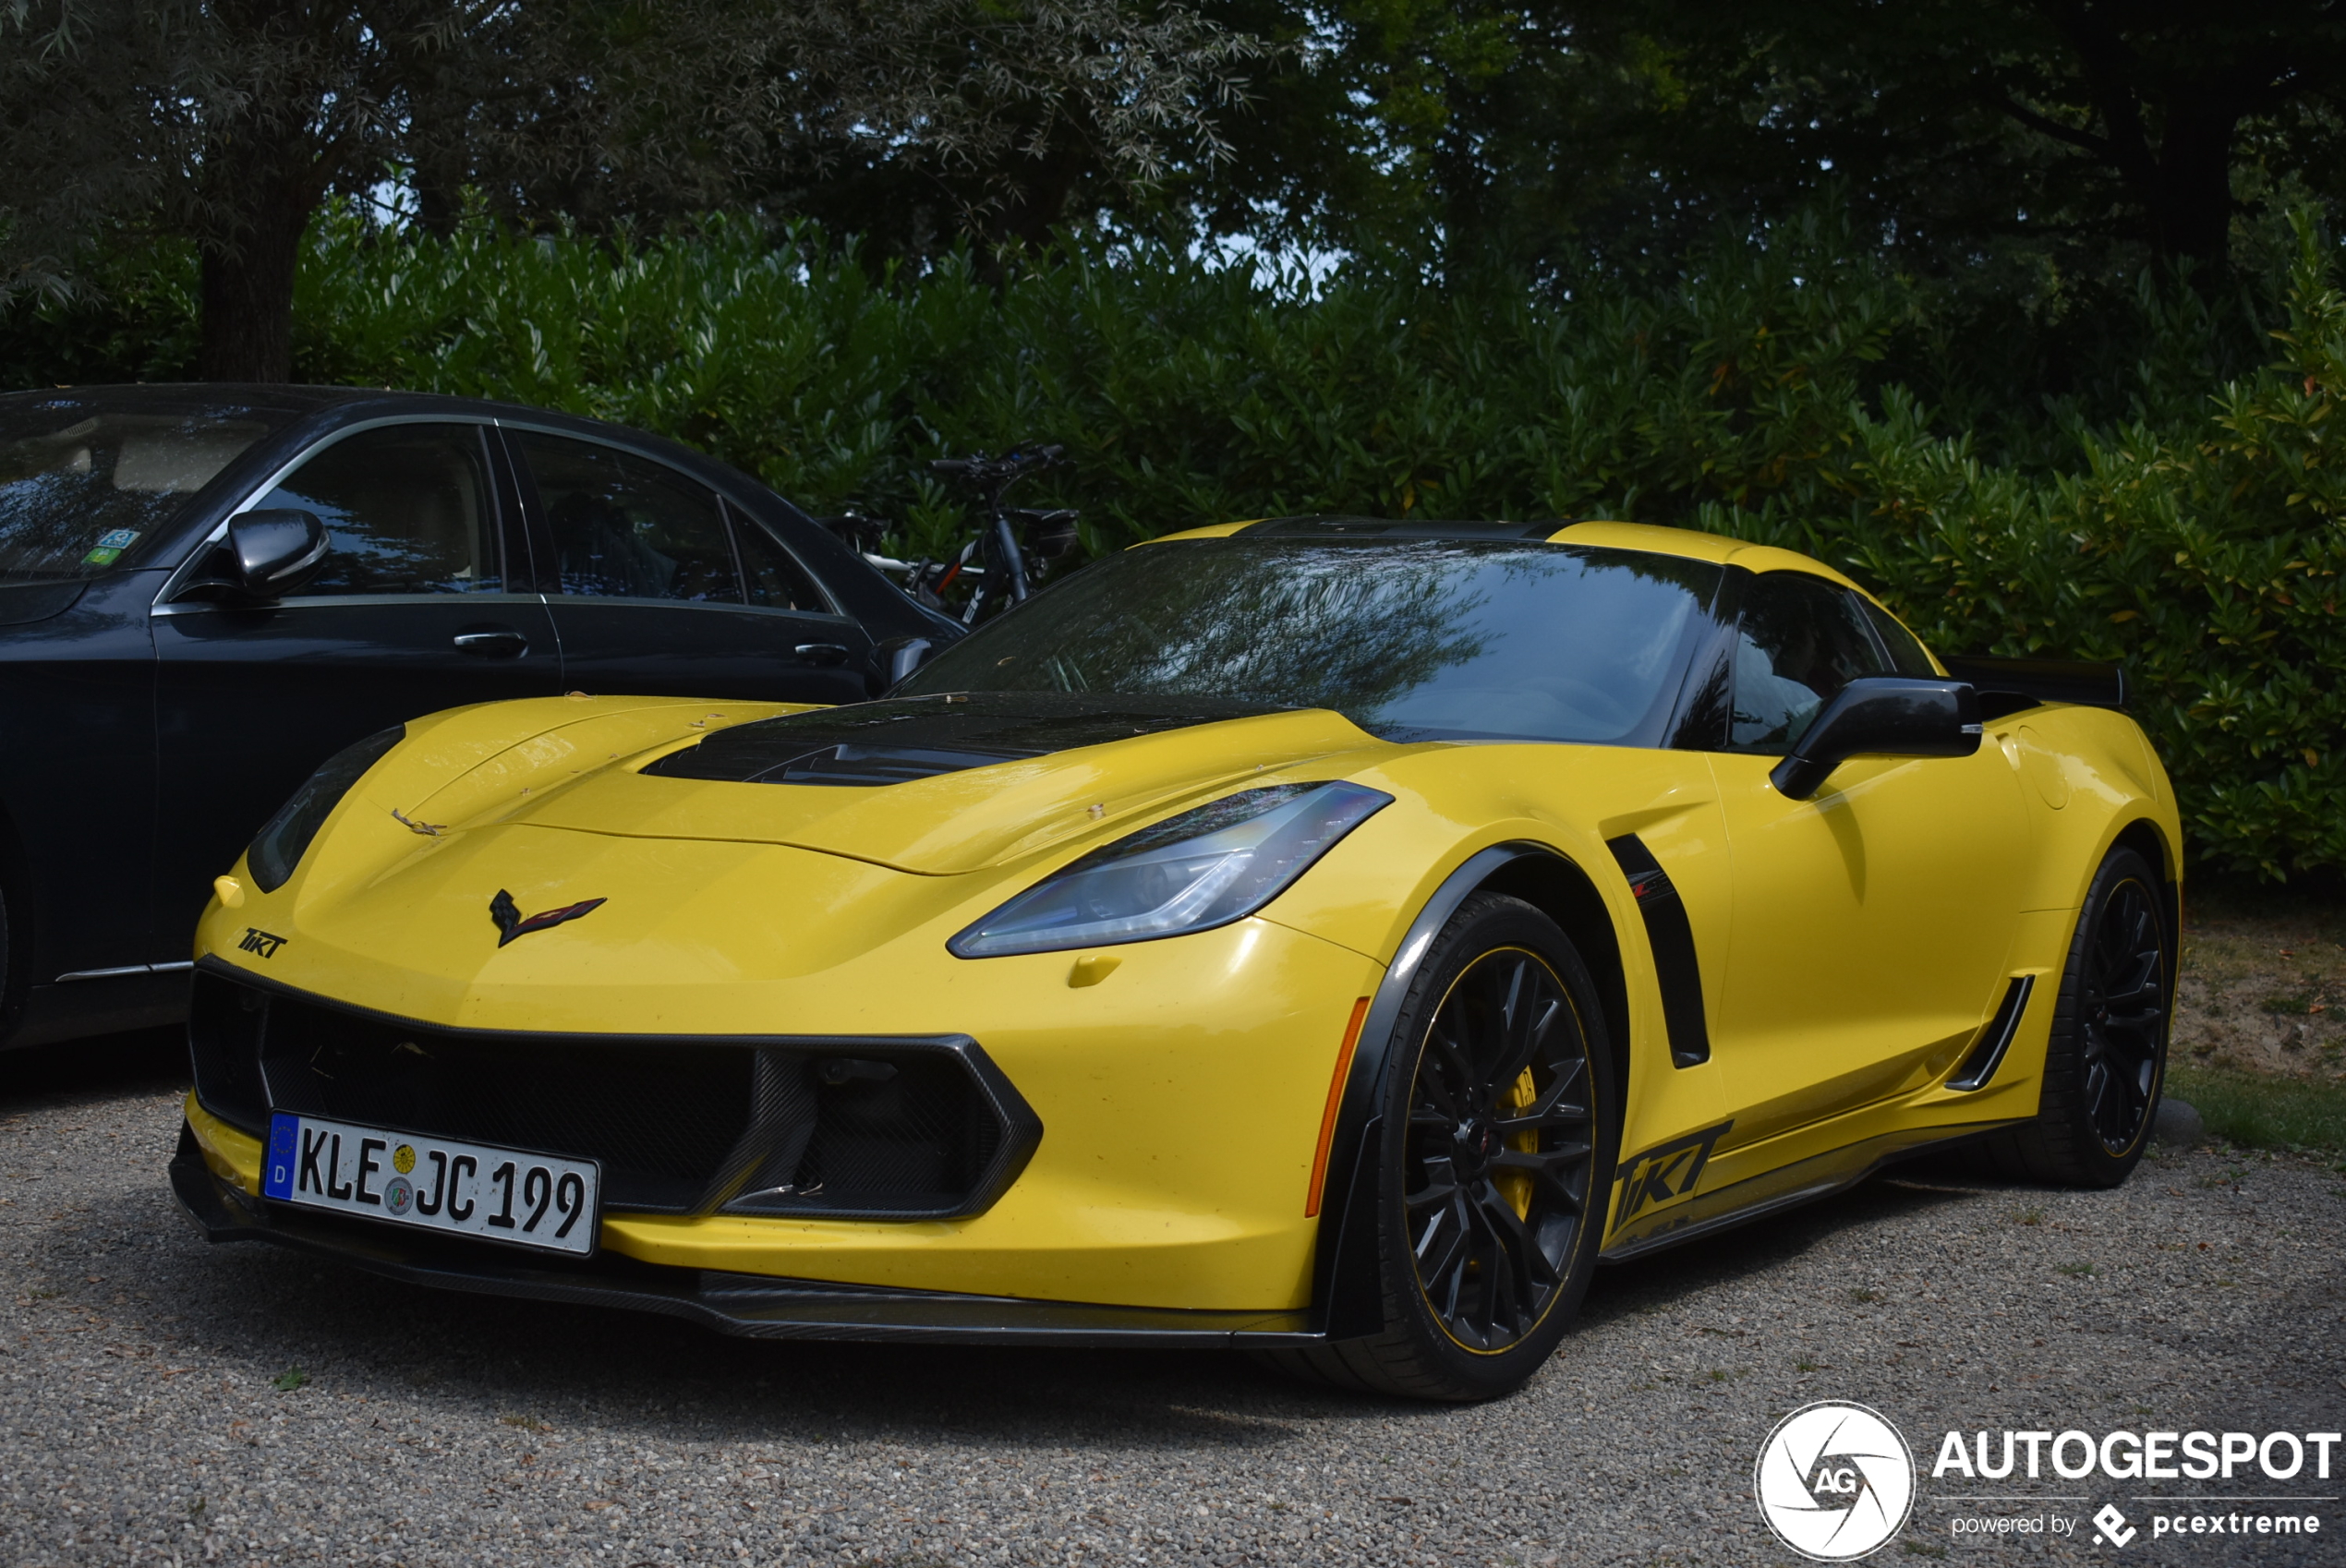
<point x="248" y="289"/>
<point x="2192" y="210"/>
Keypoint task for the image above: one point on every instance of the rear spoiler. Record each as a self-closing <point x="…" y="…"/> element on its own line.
<point x="2007" y="686"/>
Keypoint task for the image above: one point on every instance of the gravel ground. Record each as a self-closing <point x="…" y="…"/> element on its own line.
<point x="147" y="1390"/>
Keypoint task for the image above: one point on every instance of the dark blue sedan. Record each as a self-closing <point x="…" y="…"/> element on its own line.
<point x="205" y="591"/>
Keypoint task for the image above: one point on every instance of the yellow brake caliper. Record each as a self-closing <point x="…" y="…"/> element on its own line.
<point x="1513" y="1184"/>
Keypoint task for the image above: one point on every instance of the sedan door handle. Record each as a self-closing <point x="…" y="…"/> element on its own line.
<point x="829" y="656"/>
<point x="496" y="642"/>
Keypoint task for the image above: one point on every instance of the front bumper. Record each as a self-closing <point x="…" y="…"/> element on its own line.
<point x="754" y="1305"/>
<point x="1182" y="1098"/>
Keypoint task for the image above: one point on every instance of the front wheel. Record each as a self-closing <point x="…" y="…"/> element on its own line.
<point x="2106" y="1060"/>
<point x="1500" y="1137"/>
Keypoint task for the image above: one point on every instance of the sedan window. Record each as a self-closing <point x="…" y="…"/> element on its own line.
<point x="776" y="580"/>
<point x="627" y="528"/>
<point x="1800" y="641"/>
<point x="82" y="485"/>
<point x="408" y="508"/>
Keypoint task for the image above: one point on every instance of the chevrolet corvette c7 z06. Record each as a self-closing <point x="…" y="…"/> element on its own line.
<point x="1330" y="937"/>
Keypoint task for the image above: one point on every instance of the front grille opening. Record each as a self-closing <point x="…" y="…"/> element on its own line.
<point x="876" y="1129"/>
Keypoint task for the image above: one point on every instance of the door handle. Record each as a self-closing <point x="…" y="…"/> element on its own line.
<point x="497" y="642"/>
<point x="829" y="655"/>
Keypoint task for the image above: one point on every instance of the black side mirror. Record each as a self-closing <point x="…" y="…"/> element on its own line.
<point x="898" y="657"/>
<point x="1892" y="716"/>
<point x="273" y="553"/>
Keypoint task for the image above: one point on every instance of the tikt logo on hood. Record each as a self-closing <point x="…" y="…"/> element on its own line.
<point x="512" y="923"/>
<point x="1835" y="1482"/>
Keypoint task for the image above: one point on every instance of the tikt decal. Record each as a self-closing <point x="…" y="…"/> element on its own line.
<point x="261" y="941"/>
<point x="1663" y="1171"/>
<point x="512" y="923"/>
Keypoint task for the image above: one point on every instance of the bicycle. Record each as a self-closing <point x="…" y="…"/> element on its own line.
<point x="1002" y="569"/>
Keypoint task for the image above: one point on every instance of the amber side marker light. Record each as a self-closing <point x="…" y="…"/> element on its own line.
<point x="1336" y="1099"/>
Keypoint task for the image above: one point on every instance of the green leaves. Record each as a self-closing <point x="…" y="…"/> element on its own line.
<point x="1766" y="393"/>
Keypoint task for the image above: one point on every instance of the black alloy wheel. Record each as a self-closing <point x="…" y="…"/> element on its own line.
<point x="1497" y="1097"/>
<point x="2121" y="1006"/>
<point x="1495" y="1164"/>
<point x="2106" y="1057"/>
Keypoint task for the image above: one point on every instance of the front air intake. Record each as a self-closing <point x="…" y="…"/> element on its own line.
<point x="842" y="1128"/>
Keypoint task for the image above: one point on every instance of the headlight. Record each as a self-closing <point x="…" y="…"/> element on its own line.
<point x="1189" y="872"/>
<point x="281" y="843"/>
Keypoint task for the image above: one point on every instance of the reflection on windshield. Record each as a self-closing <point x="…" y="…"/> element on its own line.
<point x="79" y="489"/>
<point x="1424" y="640"/>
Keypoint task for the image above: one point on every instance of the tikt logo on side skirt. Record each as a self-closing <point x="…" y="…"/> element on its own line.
<point x="510" y="922"/>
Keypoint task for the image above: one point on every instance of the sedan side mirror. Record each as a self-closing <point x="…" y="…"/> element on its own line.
<point x="273" y="553"/>
<point x="897" y="657"/>
<point x="1892" y="716"/>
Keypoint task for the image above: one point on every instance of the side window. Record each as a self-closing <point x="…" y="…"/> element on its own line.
<point x="776" y="580"/>
<point x="1798" y="643"/>
<point x="627" y="528"/>
<point x="1906" y="656"/>
<point x="408" y="508"/>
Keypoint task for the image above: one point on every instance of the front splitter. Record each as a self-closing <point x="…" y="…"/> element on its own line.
<point x="753" y="1305"/>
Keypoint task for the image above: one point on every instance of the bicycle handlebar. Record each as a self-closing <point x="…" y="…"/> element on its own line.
<point x="980" y="468"/>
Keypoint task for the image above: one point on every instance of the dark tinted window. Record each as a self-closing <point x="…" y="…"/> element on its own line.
<point x="84" y="481"/>
<point x="1906" y="656"/>
<point x="1430" y="639"/>
<point x="628" y="527"/>
<point x="1798" y="642"/>
<point x="409" y="508"/>
<point x="776" y="579"/>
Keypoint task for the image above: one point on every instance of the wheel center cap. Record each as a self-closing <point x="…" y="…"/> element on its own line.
<point x="1476" y="1141"/>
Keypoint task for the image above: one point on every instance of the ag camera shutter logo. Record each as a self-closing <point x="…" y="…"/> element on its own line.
<point x="1834" y="1481"/>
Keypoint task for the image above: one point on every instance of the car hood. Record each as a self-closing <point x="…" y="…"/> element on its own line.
<point x="943" y="786"/>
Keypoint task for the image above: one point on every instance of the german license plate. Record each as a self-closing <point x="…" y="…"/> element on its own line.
<point x="477" y="1189"/>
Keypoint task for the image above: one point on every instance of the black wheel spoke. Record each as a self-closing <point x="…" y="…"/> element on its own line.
<point x="1499" y="1152"/>
<point x="2122" y="1012"/>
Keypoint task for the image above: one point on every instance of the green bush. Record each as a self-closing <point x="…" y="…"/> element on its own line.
<point x="1770" y="392"/>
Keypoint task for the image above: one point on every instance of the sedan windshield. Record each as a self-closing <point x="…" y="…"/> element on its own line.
<point x="1430" y="639"/>
<point x="85" y="479"/>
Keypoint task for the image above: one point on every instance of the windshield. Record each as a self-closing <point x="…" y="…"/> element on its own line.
<point x="85" y="480"/>
<point x="1432" y="639"/>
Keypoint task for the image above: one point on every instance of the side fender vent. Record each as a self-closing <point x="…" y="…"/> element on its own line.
<point x="1675" y="966"/>
<point x="1996" y="1039"/>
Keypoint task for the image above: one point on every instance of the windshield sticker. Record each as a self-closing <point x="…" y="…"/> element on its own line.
<point x="110" y="546"/>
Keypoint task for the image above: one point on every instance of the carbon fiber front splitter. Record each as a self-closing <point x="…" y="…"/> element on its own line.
<point x="750" y="1305"/>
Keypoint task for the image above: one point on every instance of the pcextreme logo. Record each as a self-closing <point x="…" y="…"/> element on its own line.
<point x="1835" y="1482"/>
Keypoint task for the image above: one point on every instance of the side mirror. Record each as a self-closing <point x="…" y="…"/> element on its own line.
<point x="1893" y="716"/>
<point x="898" y="657"/>
<point x="272" y="553"/>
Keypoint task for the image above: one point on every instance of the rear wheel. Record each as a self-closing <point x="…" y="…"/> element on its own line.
<point x="2106" y="1062"/>
<point x="1500" y="1137"/>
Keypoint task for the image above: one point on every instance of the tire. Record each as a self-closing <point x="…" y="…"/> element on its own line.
<point x="2106" y="1061"/>
<point x="1488" y="1222"/>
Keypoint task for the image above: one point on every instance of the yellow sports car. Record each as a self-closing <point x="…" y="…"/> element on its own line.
<point x="1323" y="937"/>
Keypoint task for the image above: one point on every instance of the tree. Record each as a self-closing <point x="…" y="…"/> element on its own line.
<point x="228" y="122"/>
<point x="1533" y="130"/>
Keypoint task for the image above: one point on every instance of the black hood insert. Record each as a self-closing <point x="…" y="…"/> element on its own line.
<point x="898" y="739"/>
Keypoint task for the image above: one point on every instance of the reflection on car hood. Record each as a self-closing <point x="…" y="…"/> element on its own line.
<point x="948" y="793"/>
<point x="896" y="742"/>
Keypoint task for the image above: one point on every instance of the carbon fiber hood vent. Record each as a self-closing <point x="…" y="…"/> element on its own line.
<point x="899" y="739"/>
